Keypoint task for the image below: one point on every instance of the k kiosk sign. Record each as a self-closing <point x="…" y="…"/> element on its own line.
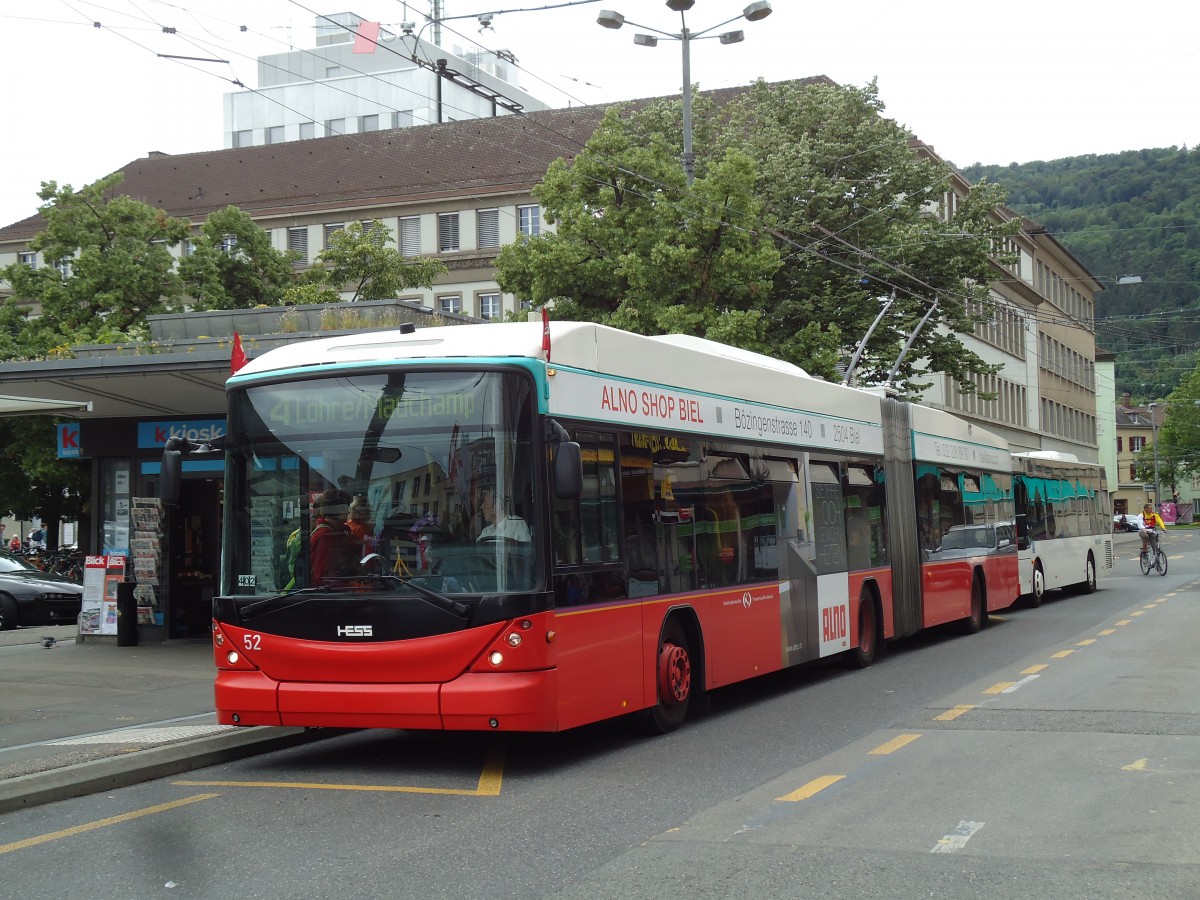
<point x="68" y="441"/>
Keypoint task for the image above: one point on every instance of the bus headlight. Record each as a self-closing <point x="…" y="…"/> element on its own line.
<point x="496" y="658"/>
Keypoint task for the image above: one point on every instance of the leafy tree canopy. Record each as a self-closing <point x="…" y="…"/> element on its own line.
<point x="359" y="259"/>
<point x="233" y="265"/>
<point x="807" y="207"/>
<point x="116" y="270"/>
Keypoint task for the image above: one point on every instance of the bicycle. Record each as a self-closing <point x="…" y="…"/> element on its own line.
<point x="1153" y="557"/>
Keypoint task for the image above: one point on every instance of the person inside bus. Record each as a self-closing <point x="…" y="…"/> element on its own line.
<point x="359" y="523"/>
<point x="1152" y="524"/>
<point x="502" y="524"/>
<point x="329" y="544"/>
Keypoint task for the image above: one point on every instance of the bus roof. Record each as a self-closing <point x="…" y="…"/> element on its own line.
<point x="675" y="360"/>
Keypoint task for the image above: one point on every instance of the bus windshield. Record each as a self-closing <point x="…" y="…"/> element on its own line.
<point x="404" y="482"/>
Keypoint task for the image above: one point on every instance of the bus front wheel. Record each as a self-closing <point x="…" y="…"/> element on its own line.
<point x="673" y="678"/>
<point x="1038" y="594"/>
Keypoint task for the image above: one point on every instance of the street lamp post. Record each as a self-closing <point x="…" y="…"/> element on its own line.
<point x="752" y="13"/>
<point x="1154" y="438"/>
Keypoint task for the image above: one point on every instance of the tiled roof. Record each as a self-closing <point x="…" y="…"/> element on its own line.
<point x="474" y="157"/>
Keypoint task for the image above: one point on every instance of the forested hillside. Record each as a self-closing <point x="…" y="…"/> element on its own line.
<point x="1127" y="214"/>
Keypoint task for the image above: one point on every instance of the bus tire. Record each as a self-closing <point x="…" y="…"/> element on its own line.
<point x="672" y="677"/>
<point x="973" y="622"/>
<point x="1088" y="585"/>
<point x="1038" y="594"/>
<point x="862" y="655"/>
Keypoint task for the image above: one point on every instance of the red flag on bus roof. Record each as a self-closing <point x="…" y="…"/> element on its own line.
<point x="546" y="332"/>
<point x="238" y="358"/>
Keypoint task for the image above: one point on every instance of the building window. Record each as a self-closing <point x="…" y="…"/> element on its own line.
<point x="298" y="244"/>
<point x="489" y="306"/>
<point x="1120" y="440"/>
<point x="243" y="138"/>
<point x="333" y="71"/>
<point x="28" y="259"/>
<point x="449" y="303"/>
<point x="529" y="219"/>
<point x="368" y="123"/>
<point x="402" y="119"/>
<point x="308" y="130"/>
<point x="330" y="231"/>
<point x="228" y="242"/>
<point x="186" y="248"/>
<point x="447" y="232"/>
<point x="1132" y="472"/>
<point x="487" y="222"/>
<point x="410" y="235"/>
<point x="64" y="267"/>
<point x="275" y="134"/>
<point x="335" y="126"/>
<point x="1137" y="444"/>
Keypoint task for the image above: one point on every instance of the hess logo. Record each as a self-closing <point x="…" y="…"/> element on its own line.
<point x="354" y="631"/>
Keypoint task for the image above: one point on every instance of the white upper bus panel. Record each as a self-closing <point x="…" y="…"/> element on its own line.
<point x="681" y="361"/>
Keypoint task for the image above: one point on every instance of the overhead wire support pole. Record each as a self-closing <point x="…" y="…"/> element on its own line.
<point x="862" y="345"/>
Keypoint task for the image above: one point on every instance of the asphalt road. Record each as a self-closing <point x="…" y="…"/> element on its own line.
<point x="1054" y="754"/>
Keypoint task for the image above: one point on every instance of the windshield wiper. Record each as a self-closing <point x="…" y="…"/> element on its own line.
<point x="269" y="603"/>
<point x="434" y="598"/>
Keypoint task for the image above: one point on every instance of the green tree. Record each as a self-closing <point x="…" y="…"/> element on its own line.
<point x="234" y="266"/>
<point x="116" y="268"/>
<point x="807" y="206"/>
<point x="850" y="203"/>
<point x="358" y="259"/>
<point x="1179" y="434"/>
<point x="38" y="484"/>
<point x="633" y="249"/>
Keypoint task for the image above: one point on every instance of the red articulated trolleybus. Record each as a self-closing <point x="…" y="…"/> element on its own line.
<point x="529" y="528"/>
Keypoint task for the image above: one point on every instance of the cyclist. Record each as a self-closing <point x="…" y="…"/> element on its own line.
<point x="1152" y="524"/>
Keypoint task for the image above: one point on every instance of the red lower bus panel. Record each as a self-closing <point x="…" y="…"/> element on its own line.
<point x="517" y="701"/>
<point x="251" y="696"/>
<point x="359" y="705"/>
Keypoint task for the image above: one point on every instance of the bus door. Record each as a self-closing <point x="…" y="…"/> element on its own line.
<point x="829" y="616"/>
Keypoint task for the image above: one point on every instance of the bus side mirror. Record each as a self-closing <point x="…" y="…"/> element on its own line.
<point x="568" y="471"/>
<point x="170" y="475"/>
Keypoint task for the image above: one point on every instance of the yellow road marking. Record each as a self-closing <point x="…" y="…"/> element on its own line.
<point x="102" y="823"/>
<point x="490" y="782"/>
<point x="1061" y="653"/>
<point x="1124" y="621"/>
<point x="1138" y="766"/>
<point x="1108" y="631"/>
<point x="1033" y="670"/>
<point x="1086" y="642"/>
<point x="1138" y="612"/>
<point x="813" y="787"/>
<point x="954" y="713"/>
<point x="894" y="744"/>
<point x="1000" y="688"/>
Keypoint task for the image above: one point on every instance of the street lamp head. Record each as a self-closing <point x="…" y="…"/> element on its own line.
<point x="681" y="5"/>
<point x="757" y="10"/>
<point x="610" y="19"/>
<point x="645" y="40"/>
<point x="733" y="37"/>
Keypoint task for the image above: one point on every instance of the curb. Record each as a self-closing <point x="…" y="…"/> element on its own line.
<point x="107" y="774"/>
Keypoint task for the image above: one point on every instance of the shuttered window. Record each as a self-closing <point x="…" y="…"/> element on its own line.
<point x="331" y="230"/>
<point x="488" y="224"/>
<point x="298" y="244"/>
<point x="410" y="235"/>
<point x="447" y="232"/>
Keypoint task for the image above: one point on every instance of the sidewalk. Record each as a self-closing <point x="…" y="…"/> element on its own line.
<point x="81" y="717"/>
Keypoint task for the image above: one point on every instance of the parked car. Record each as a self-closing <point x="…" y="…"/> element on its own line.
<point x="1126" y="523"/>
<point x="29" y="596"/>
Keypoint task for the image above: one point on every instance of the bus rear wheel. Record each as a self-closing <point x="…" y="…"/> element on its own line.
<point x="862" y="655"/>
<point x="973" y="622"/>
<point x="673" y="678"/>
<point x="1038" y="594"/>
<point x="1089" y="575"/>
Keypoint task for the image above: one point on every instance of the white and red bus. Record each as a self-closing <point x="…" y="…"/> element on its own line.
<point x="573" y="523"/>
<point x="1063" y="523"/>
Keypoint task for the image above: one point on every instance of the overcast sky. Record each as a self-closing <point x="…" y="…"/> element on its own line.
<point x="981" y="82"/>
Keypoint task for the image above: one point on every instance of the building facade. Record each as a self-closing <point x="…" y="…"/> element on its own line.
<point x="362" y="78"/>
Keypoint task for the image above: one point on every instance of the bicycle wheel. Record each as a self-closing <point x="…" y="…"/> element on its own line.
<point x="1144" y="562"/>
<point x="1160" y="562"/>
